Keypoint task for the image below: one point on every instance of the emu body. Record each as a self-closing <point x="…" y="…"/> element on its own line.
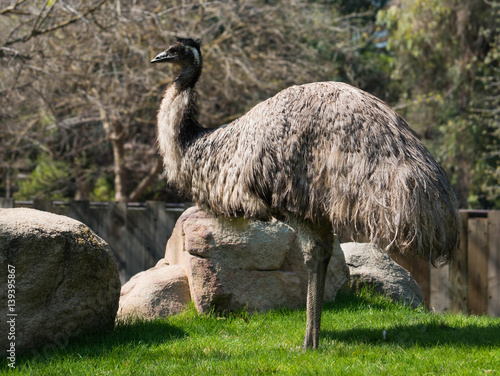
<point x="325" y="156"/>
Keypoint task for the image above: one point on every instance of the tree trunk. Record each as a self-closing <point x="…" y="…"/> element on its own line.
<point x="82" y="184"/>
<point x="118" y="145"/>
<point x="116" y="134"/>
<point x="148" y="180"/>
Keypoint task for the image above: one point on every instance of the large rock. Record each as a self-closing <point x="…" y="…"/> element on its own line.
<point x="368" y="265"/>
<point x="62" y="281"/>
<point x="157" y="292"/>
<point x="236" y="263"/>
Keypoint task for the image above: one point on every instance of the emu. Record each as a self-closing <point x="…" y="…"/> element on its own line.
<point x="326" y="157"/>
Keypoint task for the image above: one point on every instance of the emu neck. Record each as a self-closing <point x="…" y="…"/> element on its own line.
<point x="188" y="77"/>
<point x="177" y="124"/>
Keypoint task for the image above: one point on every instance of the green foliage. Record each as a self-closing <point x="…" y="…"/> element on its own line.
<point x="422" y="42"/>
<point x="103" y="190"/>
<point x="446" y="62"/>
<point x="352" y="342"/>
<point x="48" y="180"/>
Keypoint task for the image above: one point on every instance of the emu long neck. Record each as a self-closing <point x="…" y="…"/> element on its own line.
<point x="177" y="124"/>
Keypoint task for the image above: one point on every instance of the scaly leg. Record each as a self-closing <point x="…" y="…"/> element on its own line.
<point x="317" y="248"/>
<point x="315" y="296"/>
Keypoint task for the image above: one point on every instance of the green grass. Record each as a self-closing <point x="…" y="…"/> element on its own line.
<point x="351" y="343"/>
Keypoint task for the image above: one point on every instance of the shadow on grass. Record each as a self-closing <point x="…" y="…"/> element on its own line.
<point x="428" y="331"/>
<point x="424" y="335"/>
<point x="365" y="298"/>
<point x="123" y="335"/>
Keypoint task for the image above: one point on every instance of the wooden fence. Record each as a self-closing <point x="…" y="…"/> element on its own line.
<point x="471" y="282"/>
<point x="138" y="233"/>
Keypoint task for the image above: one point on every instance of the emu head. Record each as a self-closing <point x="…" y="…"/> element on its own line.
<point x="184" y="52"/>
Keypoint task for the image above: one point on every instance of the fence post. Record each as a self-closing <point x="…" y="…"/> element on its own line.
<point x="494" y="263"/>
<point x="477" y="265"/>
<point x="458" y="271"/>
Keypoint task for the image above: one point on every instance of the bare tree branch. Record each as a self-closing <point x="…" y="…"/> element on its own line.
<point x="35" y="31"/>
<point x="147" y="180"/>
<point x="12" y="8"/>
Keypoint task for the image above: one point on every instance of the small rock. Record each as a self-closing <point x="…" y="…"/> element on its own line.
<point x="157" y="292"/>
<point x="367" y="264"/>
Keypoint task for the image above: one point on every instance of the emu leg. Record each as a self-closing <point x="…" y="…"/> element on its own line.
<point x="317" y="267"/>
<point x="316" y="243"/>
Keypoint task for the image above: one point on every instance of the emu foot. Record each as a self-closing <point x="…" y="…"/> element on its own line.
<point x="310" y="343"/>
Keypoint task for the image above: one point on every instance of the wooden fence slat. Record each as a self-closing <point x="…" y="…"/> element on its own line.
<point x="114" y="230"/>
<point x="45" y="205"/>
<point x="402" y="260"/>
<point x="477" y="263"/>
<point x="419" y="269"/>
<point x="6" y="203"/>
<point x="137" y="231"/>
<point x="494" y="263"/>
<point x="79" y="210"/>
<point x="458" y="271"/>
<point x="158" y="235"/>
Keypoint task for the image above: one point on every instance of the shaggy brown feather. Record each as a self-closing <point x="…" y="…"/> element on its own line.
<point x="325" y="152"/>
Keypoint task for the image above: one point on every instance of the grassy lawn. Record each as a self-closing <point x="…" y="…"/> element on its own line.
<point x="352" y="343"/>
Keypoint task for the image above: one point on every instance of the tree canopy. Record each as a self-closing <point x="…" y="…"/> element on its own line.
<point x="446" y="64"/>
<point x="79" y="96"/>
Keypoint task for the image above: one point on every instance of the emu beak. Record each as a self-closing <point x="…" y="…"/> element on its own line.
<point x="161" y="57"/>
